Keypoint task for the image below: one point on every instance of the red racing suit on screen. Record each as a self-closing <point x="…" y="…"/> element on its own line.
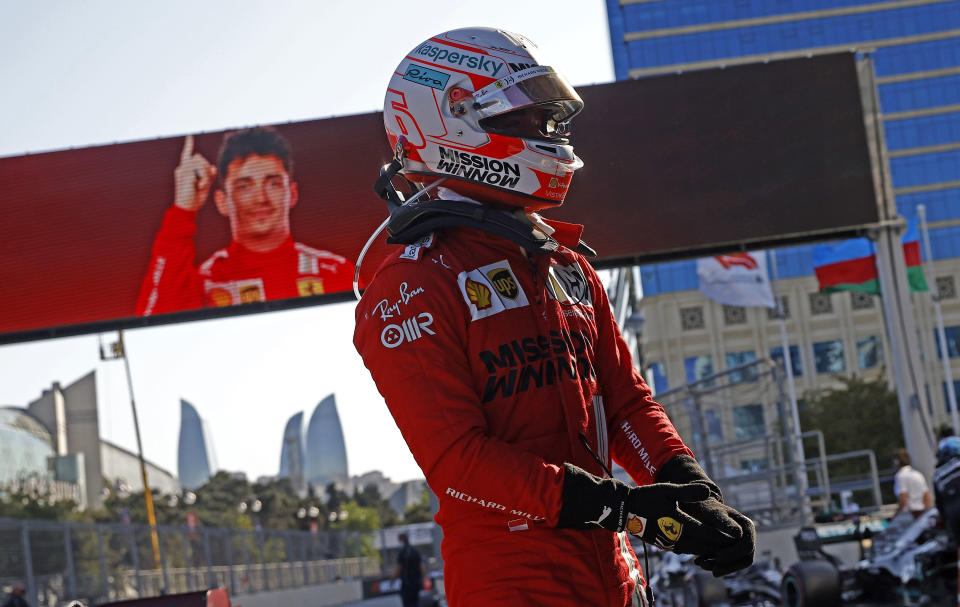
<point x="233" y="275"/>
<point x="497" y="367"/>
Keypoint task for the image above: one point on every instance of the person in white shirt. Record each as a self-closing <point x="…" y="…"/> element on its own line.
<point x="910" y="486"/>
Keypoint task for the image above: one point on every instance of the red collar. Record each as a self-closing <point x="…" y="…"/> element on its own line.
<point x="567" y="234"/>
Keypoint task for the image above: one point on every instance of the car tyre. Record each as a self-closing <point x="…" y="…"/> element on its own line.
<point x="704" y="590"/>
<point x="811" y="584"/>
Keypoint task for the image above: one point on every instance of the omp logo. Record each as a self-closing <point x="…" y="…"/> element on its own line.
<point x="408" y="330"/>
<point x="737" y="259"/>
<point x="413" y="250"/>
<point x="504" y="282"/>
<point x="460" y="58"/>
<point x="670" y="527"/>
<point x="479" y="294"/>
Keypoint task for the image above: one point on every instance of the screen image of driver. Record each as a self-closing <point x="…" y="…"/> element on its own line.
<point x="494" y="346"/>
<point x="252" y="186"/>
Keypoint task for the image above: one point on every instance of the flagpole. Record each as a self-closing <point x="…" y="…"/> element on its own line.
<point x="801" y="459"/>
<point x="938" y="314"/>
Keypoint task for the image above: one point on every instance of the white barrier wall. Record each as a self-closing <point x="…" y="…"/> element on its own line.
<point x="322" y="595"/>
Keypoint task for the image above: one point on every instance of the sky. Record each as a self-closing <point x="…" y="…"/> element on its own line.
<point x="76" y="74"/>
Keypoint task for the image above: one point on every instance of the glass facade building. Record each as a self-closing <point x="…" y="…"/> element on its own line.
<point x="196" y="460"/>
<point x="915" y="49"/>
<point x="25" y="446"/>
<point x="326" y="458"/>
<point x="915" y="46"/>
<point x="293" y="454"/>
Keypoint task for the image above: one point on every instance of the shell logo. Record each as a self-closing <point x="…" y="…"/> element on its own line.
<point x="478" y="293"/>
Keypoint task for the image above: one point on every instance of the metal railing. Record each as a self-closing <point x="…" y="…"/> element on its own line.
<point x="102" y="562"/>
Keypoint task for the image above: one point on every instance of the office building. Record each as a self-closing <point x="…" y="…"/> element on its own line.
<point x="915" y="49"/>
<point x="121" y="468"/>
<point x="52" y="449"/>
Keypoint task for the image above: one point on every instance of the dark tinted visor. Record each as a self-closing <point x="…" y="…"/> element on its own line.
<point x="538" y="88"/>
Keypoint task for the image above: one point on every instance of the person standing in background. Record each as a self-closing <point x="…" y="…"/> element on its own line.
<point x="410" y="572"/>
<point x="911" y="488"/>
<point x="16" y="596"/>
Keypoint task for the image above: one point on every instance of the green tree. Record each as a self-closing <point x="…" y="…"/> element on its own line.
<point x="420" y="511"/>
<point x="361" y="521"/>
<point x="369" y="497"/>
<point x="21" y="505"/>
<point x="861" y="414"/>
<point x="336" y="497"/>
<point x="279" y="504"/>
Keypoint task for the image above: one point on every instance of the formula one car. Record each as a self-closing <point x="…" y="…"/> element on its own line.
<point x="911" y="562"/>
<point x="680" y="583"/>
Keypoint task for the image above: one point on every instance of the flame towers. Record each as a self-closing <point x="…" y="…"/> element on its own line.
<point x="293" y="454"/>
<point x="315" y="455"/>
<point x="196" y="461"/>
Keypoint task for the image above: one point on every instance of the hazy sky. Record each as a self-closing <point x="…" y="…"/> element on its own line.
<point x="80" y="73"/>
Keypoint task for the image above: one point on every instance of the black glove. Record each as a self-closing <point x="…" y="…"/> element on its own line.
<point x="726" y="540"/>
<point x="650" y="512"/>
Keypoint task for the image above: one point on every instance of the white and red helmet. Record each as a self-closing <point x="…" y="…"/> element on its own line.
<point x="477" y="106"/>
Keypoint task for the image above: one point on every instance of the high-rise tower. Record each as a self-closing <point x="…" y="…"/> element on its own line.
<point x="293" y="454"/>
<point x="326" y="459"/>
<point x="196" y="461"/>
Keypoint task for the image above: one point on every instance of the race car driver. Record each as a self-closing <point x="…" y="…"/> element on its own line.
<point x="493" y="344"/>
<point x="262" y="262"/>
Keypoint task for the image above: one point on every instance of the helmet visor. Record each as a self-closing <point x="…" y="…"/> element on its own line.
<point x="537" y="99"/>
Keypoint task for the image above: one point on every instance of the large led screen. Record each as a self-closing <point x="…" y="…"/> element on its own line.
<point x="261" y="218"/>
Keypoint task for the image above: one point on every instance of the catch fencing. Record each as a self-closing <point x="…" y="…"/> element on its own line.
<point x="739" y="423"/>
<point x="103" y="562"/>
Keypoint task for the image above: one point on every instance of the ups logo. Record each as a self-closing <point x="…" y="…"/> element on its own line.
<point x="504" y="282"/>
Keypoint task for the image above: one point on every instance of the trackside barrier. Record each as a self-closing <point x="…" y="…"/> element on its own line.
<point x="105" y="562"/>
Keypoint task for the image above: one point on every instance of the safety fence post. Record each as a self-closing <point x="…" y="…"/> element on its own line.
<point x="28" y="562"/>
<point x="136" y="559"/>
<point x="71" y="573"/>
<point x="229" y="551"/>
<point x="102" y="555"/>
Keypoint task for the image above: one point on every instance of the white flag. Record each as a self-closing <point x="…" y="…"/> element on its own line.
<point x="739" y="279"/>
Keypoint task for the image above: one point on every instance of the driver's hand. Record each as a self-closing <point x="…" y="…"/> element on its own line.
<point x="192" y="179"/>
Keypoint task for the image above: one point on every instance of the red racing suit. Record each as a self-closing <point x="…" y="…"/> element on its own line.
<point x="233" y="275"/>
<point x="498" y="367"/>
